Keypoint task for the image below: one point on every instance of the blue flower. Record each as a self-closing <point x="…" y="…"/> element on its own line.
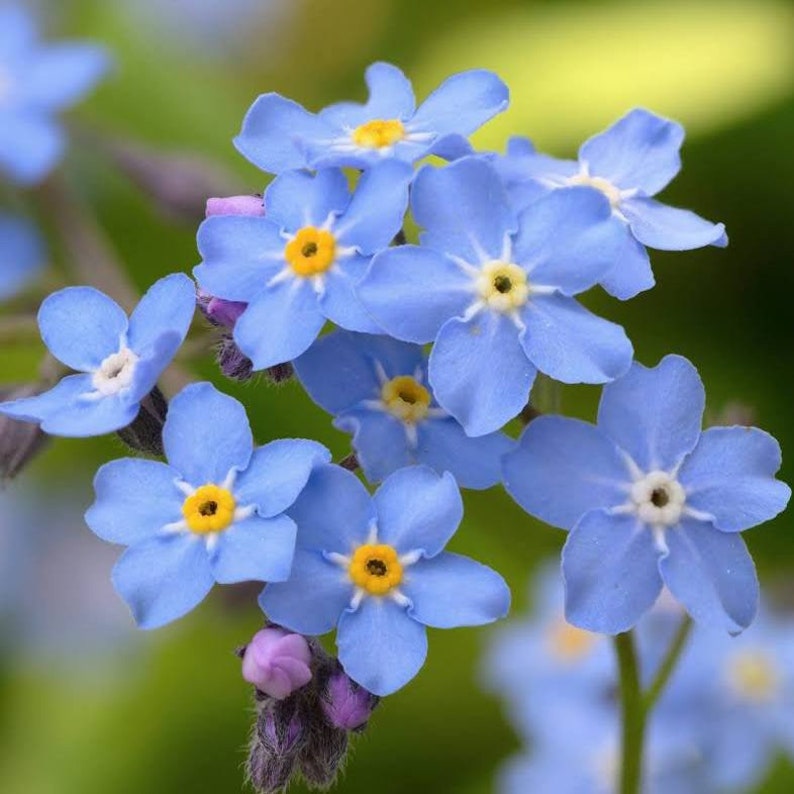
<point x="629" y="162"/>
<point x="649" y="499"/>
<point x="373" y="567"/>
<point x="278" y="134"/>
<point x="36" y="82"/>
<point x="119" y="360"/>
<point x="23" y="254"/>
<point x="494" y="292"/>
<point x="377" y="388"/>
<point x="213" y="513"/>
<point x="297" y="267"/>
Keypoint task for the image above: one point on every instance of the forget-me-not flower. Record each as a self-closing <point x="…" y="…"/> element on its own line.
<point x="297" y="266"/>
<point x="374" y="568"/>
<point x="278" y="134"/>
<point x="650" y="499"/>
<point x="629" y="162"/>
<point x="22" y="254"/>
<point x="213" y="513"/>
<point x="377" y="389"/>
<point x="119" y="359"/>
<point x="37" y="81"/>
<point x="494" y="291"/>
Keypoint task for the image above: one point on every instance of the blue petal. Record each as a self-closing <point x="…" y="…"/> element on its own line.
<point x="631" y="272"/>
<point x="206" y="435"/>
<point x="451" y="147"/>
<point x="270" y="130"/>
<point x="610" y="566"/>
<point x="730" y="475"/>
<point x="563" y="468"/>
<point x="135" y="499"/>
<point x="669" y="228"/>
<point x="411" y="292"/>
<point x="333" y="512"/>
<point x="474" y="462"/>
<point x="451" y="591"/>
<point x="568" y="239"/>
<point x="479" y="372"/>
<point x="256" y="549"/>
<point x="280" y="323"/>
<point x="151" y="365"/>
<point x="168" y="305"/>
<point x="30" y="146"/>
<point x="82" y="326"/>
<point x="639" y="150"/>
<point x="654" y="414"/>
<point x="312" y="599"/>
<point x="572" y="345"/>
<point x="297" y="198"/>
<point x="379" y="440"/>
<point x="462" y="103"/>
<point x="340" y="302"/>
<point x="380" y="647"/>
<point x="23" y="254"/>
<point x="712" y="574"/>
<point x="463" y="209"/>
<point x="277" y="473"/>
<point x="17" y="31"/>
<point x="418" y="510"/>
<point x="163" y="578"/>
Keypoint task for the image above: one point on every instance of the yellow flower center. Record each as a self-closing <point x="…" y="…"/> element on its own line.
<point x="375" y="568"/>
<point x="209" y="509"/>
<point x="406" y="399"/>
<point x="378" y="133"/>
<point x="503" y="286"/>
<point x="752" y="676"/>
<point x="569" y="643"/>
<point x="599" y="183"/>
<point x="311" y="251"/>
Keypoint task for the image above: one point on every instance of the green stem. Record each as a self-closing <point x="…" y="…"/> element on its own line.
<point x="668" y="664"/>
<point x="633" y="714"/>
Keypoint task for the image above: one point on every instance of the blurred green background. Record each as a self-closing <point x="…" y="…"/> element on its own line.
<point x="87" y="706"/>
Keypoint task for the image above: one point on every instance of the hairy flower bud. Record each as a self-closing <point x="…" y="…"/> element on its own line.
<point x="346" y="705"/>
<point x="232" y="361"/>
<point x="145" y="434"/>
<point x="20" y="441"/>
<point x="323" y="753"/>
<point x="277" y="662"/>
<point x="278" y="737"/>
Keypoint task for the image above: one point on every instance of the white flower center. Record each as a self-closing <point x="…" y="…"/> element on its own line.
<point x="503" y="286"/>
<point x="599" y="183"/>
<point x="658" y="499"/>
<point x="115" y="372"/>
<point x="753" y="676"/>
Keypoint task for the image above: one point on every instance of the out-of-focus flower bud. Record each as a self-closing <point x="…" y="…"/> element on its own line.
<point x="20" y="442"/>
<point x="145" y="434"/>
<point x="235" y="205"/>
<point x="277" y="662"/>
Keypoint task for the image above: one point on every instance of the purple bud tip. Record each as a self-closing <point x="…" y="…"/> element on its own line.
<point x="346" y="704"/>
<point x="223" y="312"/>
<point x="277" y="663"/>
<point x="236" y="205"/>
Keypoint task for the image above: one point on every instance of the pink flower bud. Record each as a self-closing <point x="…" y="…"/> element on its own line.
<point x="277" y="663"/>
<point x="235" y="205"/>
<point x="223" y="312"/>
<point x="345" y="704"/>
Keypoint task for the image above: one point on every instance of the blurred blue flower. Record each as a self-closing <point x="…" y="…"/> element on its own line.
<point x="629" y="162"/>
<point x="377" y="389"/>
<point x="120" y="359"/>
<point x="37" y="81"/>
<point x="494" y="291"/>
<point x="650" y="499"/>
<point x="375" y="569"/>
<point x="297" y="267"/>
<point x="213" y="513"/>
<point x="278" y="134"/>
<point x="22" y="254"/>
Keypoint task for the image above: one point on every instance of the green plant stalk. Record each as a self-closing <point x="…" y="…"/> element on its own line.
<point x="633" y="714"/>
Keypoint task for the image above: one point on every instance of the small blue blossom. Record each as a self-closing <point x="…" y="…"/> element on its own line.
<point x="278" y="134"/>
<point x="494" y="291"/>
<point x="37" y="81"/>
<point x="119" y="360"/>
<point x="377" y="389"/>
<point x="374" y="568"/>
<point x="22" y="252"/>
<point x="650" y="499"/>
<point x="297" y="267"/>
<point x="213" y="513"/>
<point x="629" y="162"/>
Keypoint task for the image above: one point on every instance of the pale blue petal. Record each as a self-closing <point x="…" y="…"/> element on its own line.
<point x="297" y="198"/>
<point x="153" y="361"/>
<point x="480" y="373"/>
<point x="669" y="228"/>
<point x="654" y="414"/>
<point x="631" y="273"/>
<point x="23" y="254"/>
<point x="418" y="510"/>
<point x="340" y="302"/>
<point x="380" y="647"/>
<point x="17" y="31"/>
<point x="390" y="92"/>
<point x="256" y="549"/>
<point x="206" y="435"/>
<point x="168" y="305"/>
<point x="640" y="150"/>
<point x="135" y="499"/>
<point x="451" y="147"/>
<point x="30" y="146"/>
<point x="731" y="476"/>
<point x="163" y="578"/>
<point x="712" y="574"/>
<point x="451" y="591"/>
<point x="610" y="566"/>
<point x="379" y="440"/>
<point x="563" y="468"/>
<point x="82" y="326"/>
<point x="571" y="344"/>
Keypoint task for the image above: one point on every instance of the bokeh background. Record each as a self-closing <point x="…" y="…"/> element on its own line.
<point x="88" y="705"/>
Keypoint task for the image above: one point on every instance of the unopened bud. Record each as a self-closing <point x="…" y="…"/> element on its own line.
<point x="277" y="662"/>
<point x="145" y="434"/>
<point x="235" y="205"/>
<point x="20" y="441"/>
<point x="347" y="705"/>
<point x="324" y="753"/>
<point x="233" y="362"/>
